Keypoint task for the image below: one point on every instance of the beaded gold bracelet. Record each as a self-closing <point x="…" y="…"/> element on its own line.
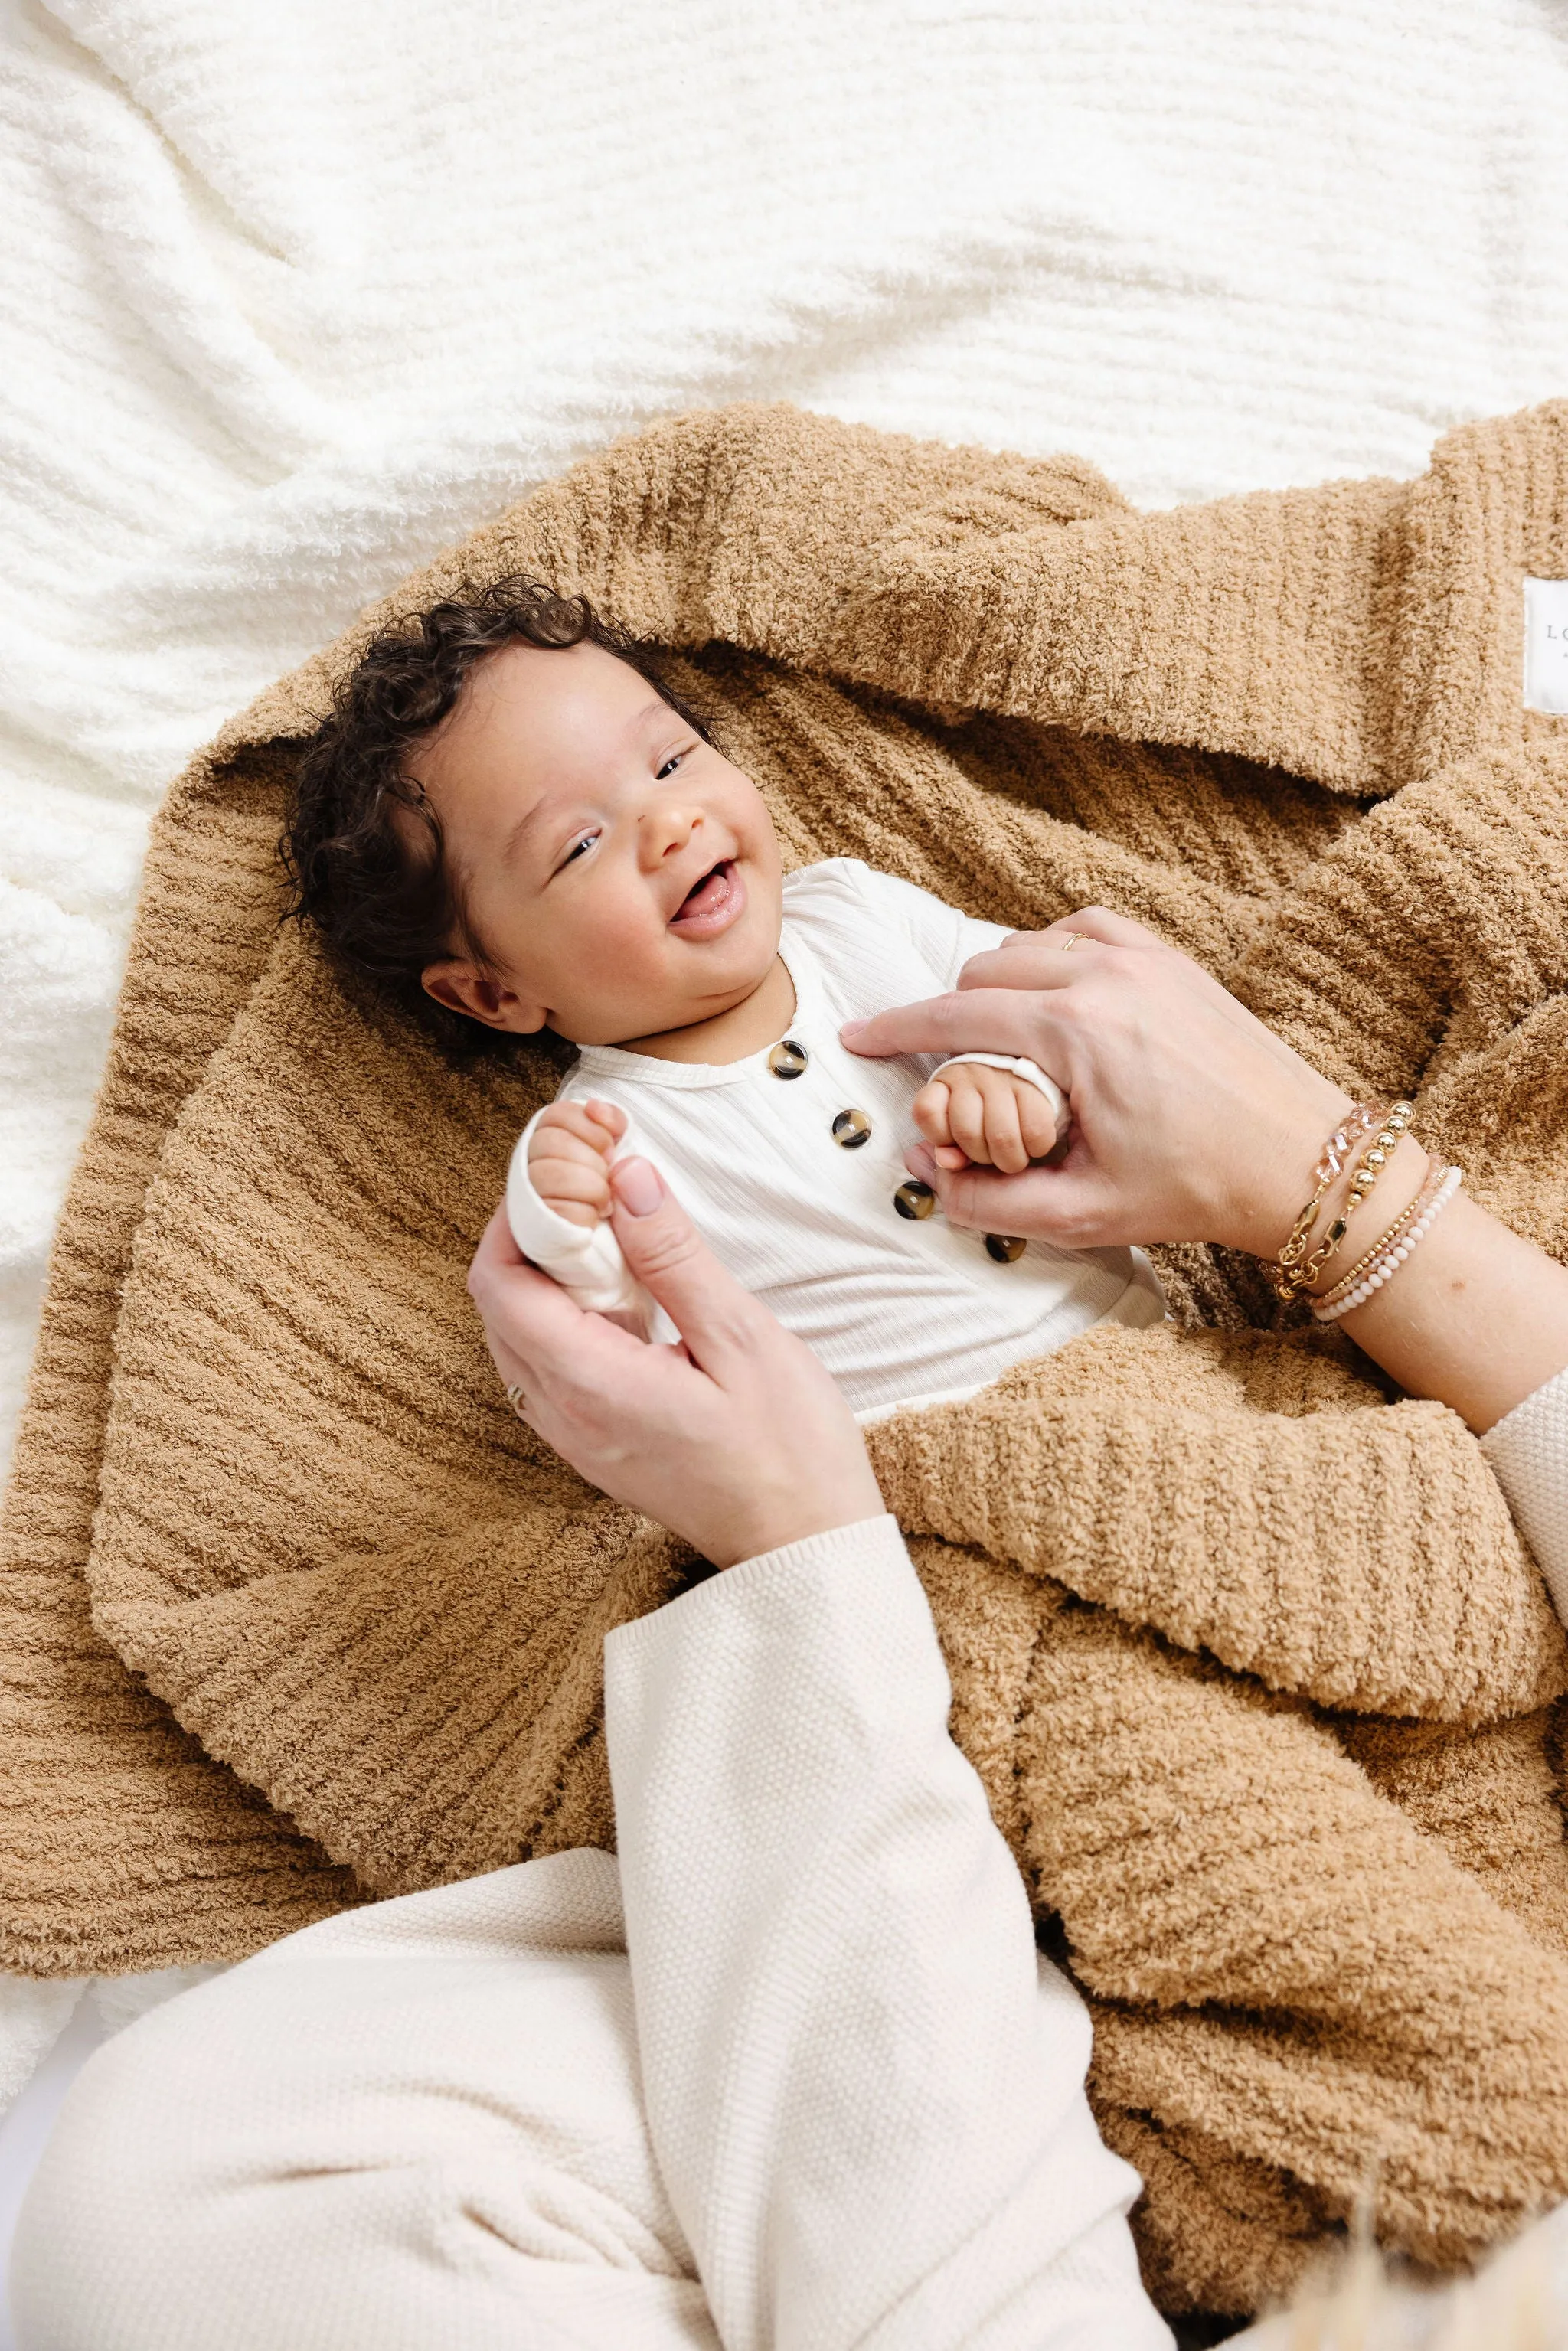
<point x="1294" y="1271"/>
<point x="1384" y="1144"/>
<point x="1435" y="1170"/>
<point x="1391" y="1251"/>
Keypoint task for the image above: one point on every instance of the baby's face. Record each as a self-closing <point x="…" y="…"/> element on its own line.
<point x="620" y="876"/>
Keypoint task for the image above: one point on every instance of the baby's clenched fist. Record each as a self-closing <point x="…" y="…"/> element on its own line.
<point x="975" y="1117"/>
<point x="570" y="1155"/>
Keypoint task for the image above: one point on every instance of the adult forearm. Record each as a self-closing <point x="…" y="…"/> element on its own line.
<point x="1192" y="1121"/>
<point x="1473" y="1315"/>
<point x="1476" y="1317"/>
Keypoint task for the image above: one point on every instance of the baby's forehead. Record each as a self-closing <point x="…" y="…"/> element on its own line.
<point x="534" y="720"/>
<point x="559" y="694"/>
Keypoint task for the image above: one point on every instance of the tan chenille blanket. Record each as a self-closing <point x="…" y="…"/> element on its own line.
<point x="1257" y="1675"/>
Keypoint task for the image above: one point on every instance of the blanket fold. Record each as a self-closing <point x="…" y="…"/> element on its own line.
<point x="1261" y="1682"/>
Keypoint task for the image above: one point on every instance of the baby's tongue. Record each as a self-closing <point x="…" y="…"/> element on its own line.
<point x="709" y="893"/>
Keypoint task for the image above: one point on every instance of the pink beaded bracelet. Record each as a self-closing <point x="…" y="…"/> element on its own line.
<point x="1391" y="1253"/>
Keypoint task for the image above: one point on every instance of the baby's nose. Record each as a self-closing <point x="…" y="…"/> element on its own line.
<point x="668" y="827"/>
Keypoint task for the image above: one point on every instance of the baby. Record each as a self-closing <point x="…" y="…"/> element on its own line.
<point x="509" y="812"/>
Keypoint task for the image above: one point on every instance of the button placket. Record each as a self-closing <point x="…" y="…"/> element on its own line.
<point x="850" y="1129"/>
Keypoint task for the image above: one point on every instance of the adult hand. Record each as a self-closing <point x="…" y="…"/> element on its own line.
<point x="1191" y="1121"/>
<point x="739" y="1440"/>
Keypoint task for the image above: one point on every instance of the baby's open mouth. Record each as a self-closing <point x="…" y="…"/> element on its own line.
<point x="714" y="901"/>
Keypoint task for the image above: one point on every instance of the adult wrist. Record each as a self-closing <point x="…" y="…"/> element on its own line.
<point x="848" y="1537"/>
<point x="1401" y="1181"/>
<point x="778" y="1521"/>
<point x="1366" y="1181"/>
<point x="1262" y="1216"/>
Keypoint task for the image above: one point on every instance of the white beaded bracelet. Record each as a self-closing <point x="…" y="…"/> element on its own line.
<point x="1386" y="1264"/>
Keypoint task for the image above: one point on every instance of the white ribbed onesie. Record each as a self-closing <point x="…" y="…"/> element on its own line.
<point x="900" y="1309"/>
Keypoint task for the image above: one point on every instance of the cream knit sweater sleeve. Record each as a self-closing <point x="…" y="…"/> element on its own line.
<point x="1527" y="1450"/>
<point x="864" y="2085"/>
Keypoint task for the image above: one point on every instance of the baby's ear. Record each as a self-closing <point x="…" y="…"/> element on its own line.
<point x="462" y="987"/>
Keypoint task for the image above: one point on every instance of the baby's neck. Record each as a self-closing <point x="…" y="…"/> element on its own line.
<point x="756" y="1021"/>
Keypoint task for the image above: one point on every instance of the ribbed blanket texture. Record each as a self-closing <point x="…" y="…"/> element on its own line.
<point x="1260" y="1680"/>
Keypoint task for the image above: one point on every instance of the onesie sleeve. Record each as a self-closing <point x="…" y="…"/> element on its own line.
<point x="585" y="1259"/>
<point x="1528" y="1450"/>
<point x="945" y="938"/>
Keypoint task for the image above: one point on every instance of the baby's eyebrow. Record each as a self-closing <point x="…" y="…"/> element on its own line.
<point x="517" y="837"/>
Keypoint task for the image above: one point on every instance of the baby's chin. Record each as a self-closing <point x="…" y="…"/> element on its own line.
<point x="666" y="1016"/>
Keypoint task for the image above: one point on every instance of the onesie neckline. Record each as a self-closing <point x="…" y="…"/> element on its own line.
<point x="811" y="1014"/>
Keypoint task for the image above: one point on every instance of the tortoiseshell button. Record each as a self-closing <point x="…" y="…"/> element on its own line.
<point x="851" y="1129"/>
<point x="1006" y="1251"/>
<point x="913" y="1199"/>
<point x="787" y="1059"/>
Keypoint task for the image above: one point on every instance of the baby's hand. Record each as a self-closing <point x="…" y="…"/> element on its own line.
<point x="989" y="1118"/>
<point x="569" y="1154"/>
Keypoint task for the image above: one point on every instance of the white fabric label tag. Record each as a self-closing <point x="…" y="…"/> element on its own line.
<point x="1546" y="645"/>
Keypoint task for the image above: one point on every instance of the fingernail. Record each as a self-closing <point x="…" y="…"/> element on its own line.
<point x="639" y="1186"/>
<point x="850" y="1031"/>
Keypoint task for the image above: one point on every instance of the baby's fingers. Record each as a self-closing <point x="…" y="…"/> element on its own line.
<point x="1005" y="1147"/>
<point x="1037" y="1119"/>
<point x="577" y="1189"/>
<point x="609" y="1115"/>
<point x="573" y="1128"/>
<point x="967" y="1117"/>
<point x="930" y="1112"/>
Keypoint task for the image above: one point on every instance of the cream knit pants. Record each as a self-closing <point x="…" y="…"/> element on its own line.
<point x="790" y="2073"/>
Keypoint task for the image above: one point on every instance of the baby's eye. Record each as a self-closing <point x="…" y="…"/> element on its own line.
<point x="671" y="764"/>
<point x="584" y="840"/>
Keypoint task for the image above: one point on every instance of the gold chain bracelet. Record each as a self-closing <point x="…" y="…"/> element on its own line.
<point x="1435" y="1170"/>
<point x="1296" y="1270"/>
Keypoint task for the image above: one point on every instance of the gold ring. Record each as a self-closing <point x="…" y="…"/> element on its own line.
<point x="515" y="1398"/>
<point x="1071" y="941"/>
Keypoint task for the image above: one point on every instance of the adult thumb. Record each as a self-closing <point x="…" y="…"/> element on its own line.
<point x="1062" y="1207"/>
<point x="665" y="1253"/>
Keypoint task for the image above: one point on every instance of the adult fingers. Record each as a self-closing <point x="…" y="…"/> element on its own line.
<point x="1058" y="955"/>
<point x="1068" y="1208"/>
<point x="529" y="1322"/>
<point x="1098" y="924"/>
<point x="981" y="1020"/>
<point x="1035" y="962"/>
<point x="720" y="1322"/>
<point x="496" y="1255"/>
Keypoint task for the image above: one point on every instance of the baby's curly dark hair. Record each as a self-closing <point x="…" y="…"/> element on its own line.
<point x="376" y="885"/>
